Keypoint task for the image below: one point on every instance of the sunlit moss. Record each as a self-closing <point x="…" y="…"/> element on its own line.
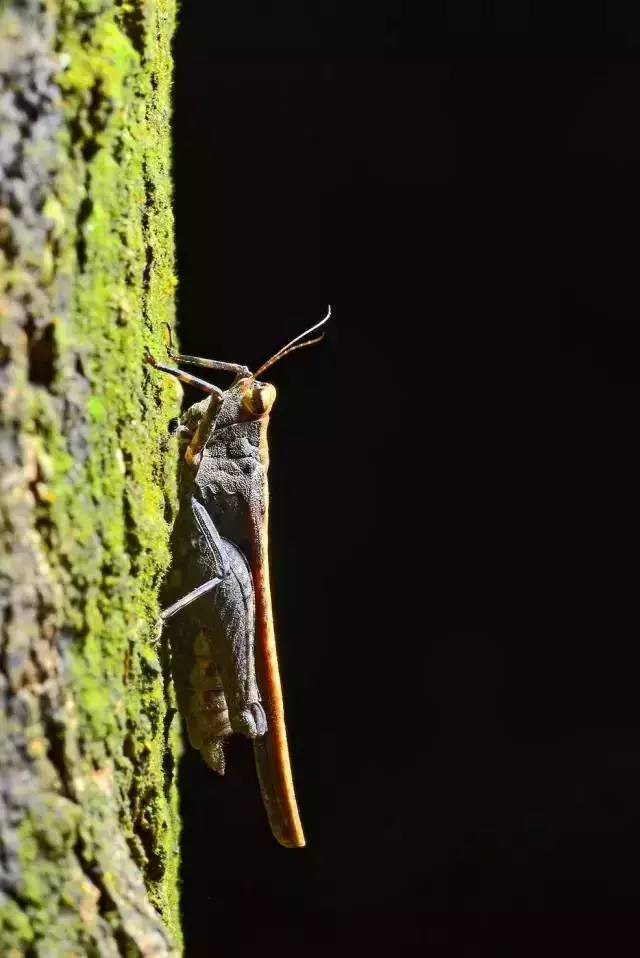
<point x="104" y="485"/>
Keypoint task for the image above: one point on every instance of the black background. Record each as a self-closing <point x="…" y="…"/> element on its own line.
<point x="454" y="476"/>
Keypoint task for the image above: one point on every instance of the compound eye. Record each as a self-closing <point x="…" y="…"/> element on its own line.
<point x="259" y="398"/>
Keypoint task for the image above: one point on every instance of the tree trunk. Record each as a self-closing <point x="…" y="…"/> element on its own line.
<point x="88" y="803"/>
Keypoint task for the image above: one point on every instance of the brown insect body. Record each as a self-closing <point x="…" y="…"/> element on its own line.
<point x="230" y="470"/>
<point x="224" y="651"/>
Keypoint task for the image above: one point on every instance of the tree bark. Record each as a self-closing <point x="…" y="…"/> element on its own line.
<point x="88" y="748"/>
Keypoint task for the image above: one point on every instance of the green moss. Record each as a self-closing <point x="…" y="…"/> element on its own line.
<point x="104" y="472"/>
<point x="123" y="297"/>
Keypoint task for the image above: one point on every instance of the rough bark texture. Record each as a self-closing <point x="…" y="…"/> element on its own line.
<point x="88" y="808"/>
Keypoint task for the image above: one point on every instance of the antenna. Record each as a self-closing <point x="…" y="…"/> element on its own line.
<point x="295" y="344"/>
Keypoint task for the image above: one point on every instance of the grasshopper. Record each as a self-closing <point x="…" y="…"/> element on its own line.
<point x="224" y="656"/>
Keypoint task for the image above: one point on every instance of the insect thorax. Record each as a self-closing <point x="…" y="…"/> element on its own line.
<point x="231" y="480"/>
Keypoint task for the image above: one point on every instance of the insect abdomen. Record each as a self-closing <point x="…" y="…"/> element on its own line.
<point x="207" y="716"/>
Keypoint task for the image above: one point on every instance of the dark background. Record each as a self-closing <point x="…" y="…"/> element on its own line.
<point x="454" y="474"/>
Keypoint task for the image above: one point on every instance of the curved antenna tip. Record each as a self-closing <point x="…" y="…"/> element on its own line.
<point x="295" y="344"/>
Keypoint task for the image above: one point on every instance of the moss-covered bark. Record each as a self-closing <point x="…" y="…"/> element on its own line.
<point x="88" y="810"/>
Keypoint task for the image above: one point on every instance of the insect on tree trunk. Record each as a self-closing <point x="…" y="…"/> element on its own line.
<point x="88" y="748"/>
<point x="224" y="652"/>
